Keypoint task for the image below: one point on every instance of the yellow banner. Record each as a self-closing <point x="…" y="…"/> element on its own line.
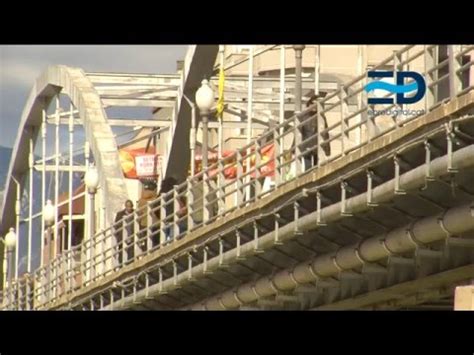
<point x="220" y="101"/>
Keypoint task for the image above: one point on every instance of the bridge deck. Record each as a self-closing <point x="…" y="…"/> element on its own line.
<point x="233" y="259"/>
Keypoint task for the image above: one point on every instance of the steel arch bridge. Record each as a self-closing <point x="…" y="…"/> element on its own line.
<point x="384" y="221"/>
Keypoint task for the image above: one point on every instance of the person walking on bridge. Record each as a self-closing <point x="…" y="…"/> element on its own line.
<point x="124" y="226"/>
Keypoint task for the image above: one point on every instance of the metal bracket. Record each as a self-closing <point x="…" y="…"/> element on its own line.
<point x="222" y="265"/>
<point x="175" y="273"/>
<point x="463" y="134"/>
<point x="397" y="162"/>
<point x="428" y="175"/>
<point x="319" y="222"/>
<point x="135" y="293"/>
<point x="277" y="229"/>
<point x="370" y="176"/>
<point x="296" y="208"/>
<point x="450" y="136"/>
<point x="304" y="192"/>
<point x="238" y="242"/>
<point x="344" y="188"/>
<point x="449" y="241"/>
<point x="147" y="285"/>
<point x="190" y="267"/>
<point x="205" y="252"/>
<point x="160" y="282"/>
<point x="256" y="249"/>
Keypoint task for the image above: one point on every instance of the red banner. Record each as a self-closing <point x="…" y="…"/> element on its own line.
<point x="230" y="167"/>
<point x="129" y="158"/>
<point x="136" y="162"/>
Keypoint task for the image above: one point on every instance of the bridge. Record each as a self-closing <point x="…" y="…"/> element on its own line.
<point x="384" y="219"/>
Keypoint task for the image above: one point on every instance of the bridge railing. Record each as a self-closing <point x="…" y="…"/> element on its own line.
<point x="248" y="174"/>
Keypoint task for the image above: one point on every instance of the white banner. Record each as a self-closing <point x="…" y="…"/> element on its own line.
<point x="145" y="165"/>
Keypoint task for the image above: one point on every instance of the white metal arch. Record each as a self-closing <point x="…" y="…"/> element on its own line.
<point x="74" y="83"/>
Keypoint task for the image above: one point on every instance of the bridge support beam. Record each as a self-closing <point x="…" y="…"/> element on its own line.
<point x="427" y="230"/>
<point x="459" y="219"/>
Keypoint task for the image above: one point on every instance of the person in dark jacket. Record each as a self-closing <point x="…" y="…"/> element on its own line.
<point x="311" y="129"/>
<point x="124" y="226"/>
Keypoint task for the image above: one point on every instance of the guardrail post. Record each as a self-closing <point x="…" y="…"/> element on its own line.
<point x="455" y="81"/>
<point x="431" y="59"/>
<point x="258" y="160"/>
<point x="190" y="203"/>
<point x="396" y="67"/>
<point x="149" y="223"/>
<point x="205" y="196"/>
<point x="136" y="233"/>
<point x="240" y="172"/>
<point x="163" y="223"/>
<point x="366" y="116"/>
<point x="176" y="208"/>
<point x="220" y="186"/>
<point x="344" y="110"/>
<point x="297" y="131"/>
<point x="321" y="127"/>
<point x="277" y="156"/>
<point x="398" y="189"/>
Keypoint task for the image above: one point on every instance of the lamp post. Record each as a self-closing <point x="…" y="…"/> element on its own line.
<point x="49" y="218"/>
<point x="91" y="180"/>
<point x="298" y="67"/>
<point x="10" y="244"/>
<point x="92" y="183"/>
<point x="204" y="101"/>
<point x="298" y="89"/>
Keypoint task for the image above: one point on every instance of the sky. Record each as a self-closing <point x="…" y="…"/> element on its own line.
<point x="21" y="65"/>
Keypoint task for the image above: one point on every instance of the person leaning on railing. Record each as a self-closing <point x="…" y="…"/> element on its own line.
<point x="310" y="130"/>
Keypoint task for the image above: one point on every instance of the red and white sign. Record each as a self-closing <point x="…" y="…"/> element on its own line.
<point x="145" y="165"/>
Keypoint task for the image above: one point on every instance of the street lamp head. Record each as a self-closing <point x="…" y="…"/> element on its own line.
<point x="205" y="97"/>
<point x="49" y="213"/>
<point x="92" y="179"/>
<point x="10" y="239"/>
